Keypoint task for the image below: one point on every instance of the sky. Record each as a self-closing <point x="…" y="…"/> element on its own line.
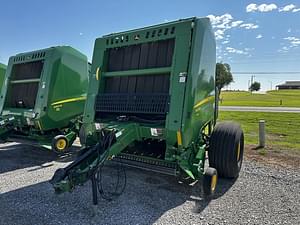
<point x="259" y="38"/>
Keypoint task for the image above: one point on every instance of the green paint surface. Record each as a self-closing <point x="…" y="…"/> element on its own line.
<point x="2" y="74"/>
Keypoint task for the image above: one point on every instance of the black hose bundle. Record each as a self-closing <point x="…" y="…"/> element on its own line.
<point x="108" y="189"/>
<point x="108" y="138"/>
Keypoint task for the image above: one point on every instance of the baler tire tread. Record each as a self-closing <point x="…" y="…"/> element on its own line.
<point x="222" y="153"/>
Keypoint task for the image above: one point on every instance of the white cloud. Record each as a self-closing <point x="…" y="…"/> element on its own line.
<point x="245" y="51"/>
<point x="266" y="8"/>
<point x="219" y="34"/>
<point x="225" y="22"/>
<point x="248" y="49"/>
<point x="284" y="49"/>
<point x="261" y="8"/>
<point x="293" y="41"/>
<point x="249" y="26"/>
<point x="221" y="24"/>
<point x="259" y="36"/>
<point x="224" y="26"/>
<point x="223" y="19"/>
<point x="251" y="8"/>
<point x="289" y="30"/>
<point x="80" y="34"/>
<point x="287" y="8"/>
<point x="236" y="23"/>
<point x="236" y="51"/>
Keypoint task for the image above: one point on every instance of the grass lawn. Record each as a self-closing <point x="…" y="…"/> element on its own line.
<point x="289" y="98"/>
<point x="282" y="129"/>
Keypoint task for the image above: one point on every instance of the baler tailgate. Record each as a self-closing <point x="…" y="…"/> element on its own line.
<point x="24" y="84"/>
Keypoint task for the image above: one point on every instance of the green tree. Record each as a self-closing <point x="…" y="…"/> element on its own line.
<point x="255" y="86"/>
<point x="223" y="75"/>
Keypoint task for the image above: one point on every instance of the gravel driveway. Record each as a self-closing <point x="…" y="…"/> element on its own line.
<point x="261" y="195"/>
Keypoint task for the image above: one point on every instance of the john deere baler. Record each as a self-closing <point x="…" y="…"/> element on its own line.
<point x="43" y="95"/>
<point x="151" y="104"/>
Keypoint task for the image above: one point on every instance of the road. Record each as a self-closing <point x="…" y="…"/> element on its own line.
<point x="259" y="109"/>
<point x="261" y="195"/>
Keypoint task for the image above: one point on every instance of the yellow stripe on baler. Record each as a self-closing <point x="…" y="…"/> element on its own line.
<point x="204" y="101"/>
<point x="69" y="100"/>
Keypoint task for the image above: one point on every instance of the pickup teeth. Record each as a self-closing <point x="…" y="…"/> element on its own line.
<point x="146" y="163"/>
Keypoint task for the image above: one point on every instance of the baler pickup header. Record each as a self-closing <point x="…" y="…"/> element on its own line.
<point x="88" y="163"/>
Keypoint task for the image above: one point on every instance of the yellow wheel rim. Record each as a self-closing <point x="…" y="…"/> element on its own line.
<point x="238" y="152"/>
<point x="61" y="144"/>
<point x="214" y="180"/>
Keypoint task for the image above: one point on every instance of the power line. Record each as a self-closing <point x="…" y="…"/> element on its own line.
<point x="282" y="72"/>
<point x="260" y="62"/>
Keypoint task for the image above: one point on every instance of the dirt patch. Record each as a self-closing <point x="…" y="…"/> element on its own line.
<point x="272" y="157"/>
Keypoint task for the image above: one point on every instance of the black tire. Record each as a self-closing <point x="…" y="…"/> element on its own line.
<point x="82" y="136"/>
<point x="55" y="144"/>
<point x="226" y="149"/>
<point x="209" y="181"/>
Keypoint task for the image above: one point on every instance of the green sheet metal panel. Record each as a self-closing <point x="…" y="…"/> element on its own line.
<point x="200" y="91"/>
<point x="2" y="74"/>
<point x="52" y="83"/>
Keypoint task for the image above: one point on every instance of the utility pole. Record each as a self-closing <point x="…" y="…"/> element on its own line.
<point x="252" y="79"/>
<point x="248" y="85"/>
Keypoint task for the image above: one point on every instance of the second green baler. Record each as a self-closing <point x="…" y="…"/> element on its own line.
<point x="43" y="97"/>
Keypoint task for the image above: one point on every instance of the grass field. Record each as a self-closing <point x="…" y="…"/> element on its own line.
<point x="282" y="129"/>
<point x="288" y="98"/>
